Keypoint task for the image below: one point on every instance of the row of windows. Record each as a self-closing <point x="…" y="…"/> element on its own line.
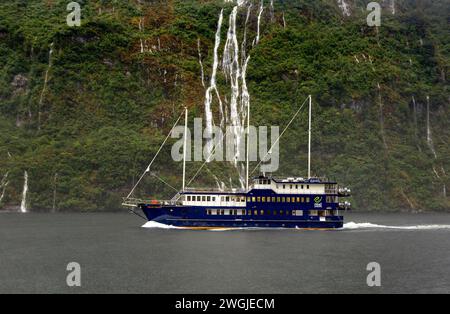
<point x="204" y="198"/>
<point x="278" y="199"/>
<point x="294" y="186"/>
<point x="281" y="212"/>
<point x="243" y="212"/>
<point x="254" y="199"/>
<point x="285" y="186"/>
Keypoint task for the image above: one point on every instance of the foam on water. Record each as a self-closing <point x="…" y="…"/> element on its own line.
<point x="367" y="225"/>
<point x="157" y="225"/>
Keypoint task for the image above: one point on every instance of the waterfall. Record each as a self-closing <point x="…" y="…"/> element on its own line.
<point x="244" y="41"/>
<point x="444" y="190"/>
<point x="234" y="66"/>
<point x="429" y="135"/>
<point x="41" y="99"/>
<point x="272" y="11"/>
<point x="414" y="115"/>
<point x="232" y="71"/>
<point x="416" y="132"/>
<point x="383" y="135"/>
<point x="23" y="206"/>
<point x="345" y="7"/>
<point x="393" y="9"/>
<point x="141" y="28"/>
<point x="201" y="62"/>
<point x="258" y="29"/>
<point x="55" y="181"/>
<point x="213" y="88"/>
<point x="3" y="184"/>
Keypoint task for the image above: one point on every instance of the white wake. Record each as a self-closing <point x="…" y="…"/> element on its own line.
<point x="347" y="226"/>
<point x="157" y="225"/>
<point x="367" y="225"/>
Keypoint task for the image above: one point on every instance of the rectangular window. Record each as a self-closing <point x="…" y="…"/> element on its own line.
<point x="278" y="199"/>
<point x="288" y="199"/>
<point x="298" y="212"/>
<point x="307" y="186"/>
<point x="274" y="212"/>
<point x="298" y="199"/>
<point x="283" y="199"/>
<point x="268" y="212"/>
<point x="263" y="199"/>
<point x="284" y="186"/>
<point x="302" y="186"/>
<point x="259" y="199"/>
<point x="255" y="213"/>
<point x="227" y="199"/>
<point x="296" y="187"/>
<point x="213" y="198"/>
<point x="262" y="212"/>
<point x="303" y="199"/>
<point x="203" y="198"/>
<point x="208" y="198"/>
<point x="199" y="198"/>
<point x="189" y="198"/>
<point x="281" y="212"/>
<point x="249" y="212"/>
<point x="249" y="199"/>
<point x="253" y="199"/>
<point x="313" y="213"/>
<point x="307" y="200"/>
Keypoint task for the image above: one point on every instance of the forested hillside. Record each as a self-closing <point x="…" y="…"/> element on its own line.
<point x="84" y="109"/>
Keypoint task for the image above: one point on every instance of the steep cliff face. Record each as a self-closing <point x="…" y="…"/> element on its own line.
<point x="82" y="109"/>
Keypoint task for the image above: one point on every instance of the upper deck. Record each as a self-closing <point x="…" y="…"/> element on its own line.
<point x="261" y="186"/>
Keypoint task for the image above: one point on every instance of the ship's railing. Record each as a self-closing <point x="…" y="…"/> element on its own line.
<point x="135" y="202"/>
<point x="300" y="179"/>
<point x="214" y="190"/>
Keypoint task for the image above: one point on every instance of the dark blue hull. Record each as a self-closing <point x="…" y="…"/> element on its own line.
<point x="197" y="218"/>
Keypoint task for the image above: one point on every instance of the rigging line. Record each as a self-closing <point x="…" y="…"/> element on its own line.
<point x="154" y="175"/>
<point x="157" y="153"/>
<point x="279" y="137"/>
<point x="210" y="155"/>
<point x="137" y="214"/>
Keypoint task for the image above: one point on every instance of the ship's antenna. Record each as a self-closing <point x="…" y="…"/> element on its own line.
<point x="184" y="148"/>
<point x="309" y="139"/>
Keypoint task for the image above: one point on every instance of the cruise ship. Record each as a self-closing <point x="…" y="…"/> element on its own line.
<point x="266" y="202"/>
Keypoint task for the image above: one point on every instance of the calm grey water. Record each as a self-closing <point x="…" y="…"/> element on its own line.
<point x="117" y="255"/>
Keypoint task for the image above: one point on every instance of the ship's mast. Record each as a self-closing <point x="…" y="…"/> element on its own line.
<point x="248" y="146"/>
<point x="309" y="137"/>
<point x="184" y="147"/>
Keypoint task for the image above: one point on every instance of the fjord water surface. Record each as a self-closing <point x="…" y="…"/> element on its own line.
<point x="117" y="255"/>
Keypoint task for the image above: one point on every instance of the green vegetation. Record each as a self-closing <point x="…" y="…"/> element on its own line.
<point x="87" y="136"/>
